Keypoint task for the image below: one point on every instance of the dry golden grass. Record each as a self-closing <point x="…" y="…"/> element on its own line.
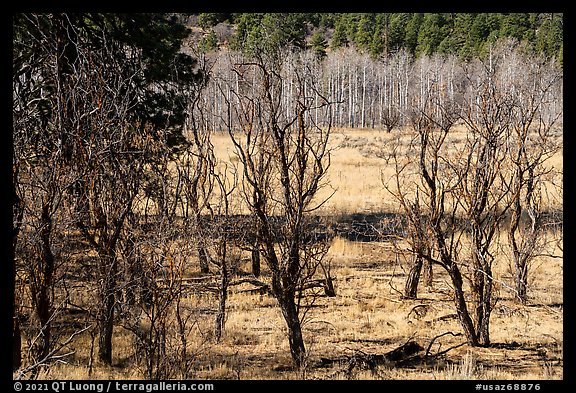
<point x="367" y="314"/>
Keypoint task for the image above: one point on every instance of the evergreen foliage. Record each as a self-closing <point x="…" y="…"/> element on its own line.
<point x="144" y="49"/>
<point x="318" y="43"/>
<point x="269" y="31"/>
<point x="467" y="35"/>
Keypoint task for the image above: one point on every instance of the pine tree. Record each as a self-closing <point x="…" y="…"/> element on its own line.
<point x="209" y="42"/>
<point x="339" y="38"/>
<point x="159" y="40"/>
<point x="431" y="34"/>
<point x="268" y="31"/>
<point x="207" y="20"/>
<point x="549" y="36"/>
<point x="397" y="30"/>
<point x="326" y="20"/>
<point x="364" y="32"/>
<point x="318" y="43"/>
<point x="464" y="34"/>
<point x="412" y="32"/>
<point x="515" y="25"/>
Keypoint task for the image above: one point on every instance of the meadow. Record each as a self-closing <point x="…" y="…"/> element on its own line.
<point x="368" y="315"/>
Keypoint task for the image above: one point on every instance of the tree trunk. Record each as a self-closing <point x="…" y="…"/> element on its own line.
<point x="483" y="328"/>
<point x="256" y="262"/>
<point x="107" y="301"/>
<point x="16" y="344"/>
<point x="428" y="274"/>
<point x="133" y="265"/>
<point x="478" y="297"/>
<point x="461" y="308"/>
<point x="482" y="296"/>
<point x="221" y="314"/>
<point x="42" y="301"/>
<point x="295" y="339"/>
<point x="519" y="255"/>
<point x="256" y="253"/>
<point x="411" y="287"/>
<point x="521" y="279"/>
<point x="106" y="331"/>
<point x="203" y="258"/>
<point x="329" y="287"/>
<point x="42" y="309"/>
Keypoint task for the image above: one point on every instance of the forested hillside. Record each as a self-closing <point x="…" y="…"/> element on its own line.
<point x="374" y="68"/>
<point x="379" y="34"/>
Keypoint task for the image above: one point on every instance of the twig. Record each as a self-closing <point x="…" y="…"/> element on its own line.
<point x="392" y="277"/>
<point x="52" y="356"/>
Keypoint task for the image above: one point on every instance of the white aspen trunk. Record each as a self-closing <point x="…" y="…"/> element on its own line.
<point x="341" y="98"/>
<point x="452" y="81"/>
<point x="406" y="84"/>
<point x="316" y="108"/>
<point x="350" y="96"/>
<point x="381" y="87"/>
<point x="362" y="113"/>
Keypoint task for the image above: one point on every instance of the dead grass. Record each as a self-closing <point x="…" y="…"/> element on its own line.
<point x="368" y="313"/>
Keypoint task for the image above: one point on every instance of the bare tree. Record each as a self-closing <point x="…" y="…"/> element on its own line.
<point x="159" y="326"/>
<point x="438" y="187"/>
<point x="284" y="159"/>
<point x="159" y="241"/>
<point x="208" y="184"/>
<point x="431" y="201"/>
<point x="420" y="245"/>
<point x="390" y="118"/>
<point x="42" y="179"/>
<point x="467" y="194"/>
<point x="111" y="164"/>
<point x="532" y="143"/>
<point x="226" y="180"/>
<point x="432" y="119"/>
<point x="126" y="115"/>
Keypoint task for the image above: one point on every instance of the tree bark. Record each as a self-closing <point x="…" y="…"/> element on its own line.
<point x="43" y="285"/>
<point x="221" y="314"/>
<point x="428" y="274"/>
<point x="133" y="266"/>
<point x="521" y="279"/>
<point x="107" y="301"/>
<point x="411" y="286"/>
<point x="256" y="262"/>
<point x="461" y="308"/>
<point x="16" y="344"/>
<point x="203" y="258"/>
<point x="295" y="339"/>
<point x="256" y="255"/>
<point x="483" y="328"/>
<point x="482" y="297"/>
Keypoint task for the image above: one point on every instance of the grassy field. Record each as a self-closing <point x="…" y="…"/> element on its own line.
<point x="368" y="314"/>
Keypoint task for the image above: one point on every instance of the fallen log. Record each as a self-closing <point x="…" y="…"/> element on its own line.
<point x="325" y="283"/>
<point x="264" y="288"/>
<point x="261" y="287"/>
<point x="371" y="361"/>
